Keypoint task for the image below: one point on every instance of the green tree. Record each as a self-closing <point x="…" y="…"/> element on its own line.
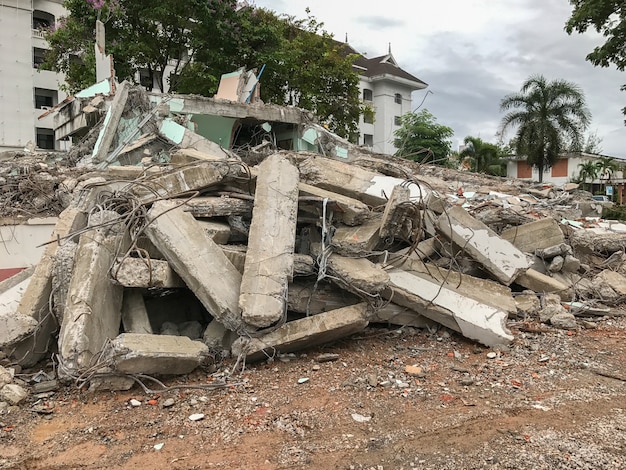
<point x="606" y="167"/>
<point x="421" y="138"/>
<point x="548" y="115"/>
<point x="483" y="157"/>
<point x="202" y="39"/>
<point x="607" y="17"/>
<point x="588" y="171"/>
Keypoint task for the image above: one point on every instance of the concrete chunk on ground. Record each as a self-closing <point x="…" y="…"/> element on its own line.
<point x="473" y="319"/>
<point x="180" y="181"/>
<point x="535" y="235"/>
<point x="540" y="283"/>
<point x="394" y="314"/>
<point x="134" y="313"/>
<point x="350" y="180"/>
<point x="139" y="272"/>
<point x="133" y="353"/>
<point x="498" y="256"/>
<point x="35" y="301"/>
<point x="305" y="333"/>
<point x="94" y="303"/>
<point x="13" y="327"/>
<point x="362" y="239"/>
<point x="198" y="260"/>
<point x="614" y="280"/>
<point x="269" y="259"/>
<point x="217" y="337"/>
<point x="350" y="211"/>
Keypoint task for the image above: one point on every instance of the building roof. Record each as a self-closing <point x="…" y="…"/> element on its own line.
<point x="377" y="66"/>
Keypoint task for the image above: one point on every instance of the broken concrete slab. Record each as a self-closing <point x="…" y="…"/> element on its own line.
<point x="179" y="181"/>
<point x="219" y="232"/>
<point x="473" y="319"/>
<point x="184" y="138"/>
<point x="308" y="298"/>
<point x="536" y="235"/>
<point x="423" y="250"/>
<point x="269" y="259"/>
<point x="350" y="211"/>
<point x="402" y="316"/>
<point x="134" y="313"/>
<point x="94" y="304"/>
<point x="614" y="280"/>
<point x="541" y="283"/>
<point x="13" y="327"/>
<point x="397" y="211"/>
<point x="362" y="239"/>
<point x="36" y="298"/>
<point x="370" y="187"/>
<point x="133" y="353"/>
<point x="304" y="333"/>
<point x="498" y="256"/>
<point x="198" y="260"/>
<point x="219" y="206"/>
<point x="110" y="124"/>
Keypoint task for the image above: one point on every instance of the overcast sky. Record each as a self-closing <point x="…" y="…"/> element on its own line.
<point x="474" y="52"/>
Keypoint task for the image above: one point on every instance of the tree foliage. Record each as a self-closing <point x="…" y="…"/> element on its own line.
<point x="483" y="157"/>
<point x="202" y="39"/>
<point x="607" y="17"/>
<point x="421" y="138"/>
<point x="588" y="171"/>
<point x="550" y="117"/>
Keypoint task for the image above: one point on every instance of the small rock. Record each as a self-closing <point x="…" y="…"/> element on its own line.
<point x="327" y="357"/>
<point x="158" y="446"/>
<point x="492" y="355"/>
<point x="13" y="394"/>
<point x="589" y="325"/>
<point x="6" y="377"/>
<point x="414" y="370"/>
<point x="196" y="417"/>
<point x="168" y="403"/>
<point x="565" y="321"/>
<point x="303" y="380"/>
<point x="45" y="386"/>
<point x="372" y="380"/>
<point x="571" y="264"/>
<point x="134" y="403"/>
<point x="316" y="367"/>
<point x="360" y="418"/>
<point x="466" y="382"/>
<point x="556" y="265"/>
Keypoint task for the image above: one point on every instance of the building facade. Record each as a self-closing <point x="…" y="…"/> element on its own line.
<point x="26" y="92"/>
<point x="387" y="89"/>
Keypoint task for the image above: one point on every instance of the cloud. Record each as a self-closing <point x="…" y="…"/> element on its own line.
<point x="380" y="22"/>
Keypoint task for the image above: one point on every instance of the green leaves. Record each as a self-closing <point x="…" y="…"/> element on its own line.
<point x="421" y="138"/>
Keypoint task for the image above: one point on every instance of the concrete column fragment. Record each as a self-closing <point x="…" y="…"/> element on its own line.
<point x="473" y="319"/>
<point x="540" y="283"/>
<point x="498" y="256"/>
<point x="94" y="303"/>
<point x="305" y="333"/>
<point x="198" y="260"/>
<point x="397" y="210"/>
<point x="350" y="211"/>
<point x="134" y="353"/>
<point x="134" y="314"/>
<point x="36" y="298"/>
<point x="362" y="239"/>
<point x="269" y="259"/>
<point x="219" y="206"/>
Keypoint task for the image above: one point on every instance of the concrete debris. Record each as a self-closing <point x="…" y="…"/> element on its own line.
<point x="185" y="234"/>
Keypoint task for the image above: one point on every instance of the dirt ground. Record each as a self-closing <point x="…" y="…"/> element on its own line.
<point x="394" y="399"/>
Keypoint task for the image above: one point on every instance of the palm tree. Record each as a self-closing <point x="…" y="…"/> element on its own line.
<point x="483" y="157"/>
<point x="549" y="115"/>
<point x="606" y="167"/>
<point x="588" y="171"/>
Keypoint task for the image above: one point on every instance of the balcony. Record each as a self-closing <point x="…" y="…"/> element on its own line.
<point x="38" y="33"/>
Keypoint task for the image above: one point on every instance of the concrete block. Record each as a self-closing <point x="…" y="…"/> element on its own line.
<point x="219" y="232"/>
<point x="217" y="337"/>
<point x="35" y="302"/>
<point x="498" y="256"/>
<point x="304" y="297"/>
<point x="398" y="315"/>
<point x="94" y="303"/>
<point x="362" y="239"/>
<point x="305" y="333"/>
<point x="614" y="280"/>
<point x="397" y="210"/>
<point x="134" y="314"/>
<point x="180" y="181"/>
<point x="138" y="272"/>
<point x="269" y="259"/>
<point x="219" y="206"/>
<point x="541" y="283"/>
<point x="13" y="394"/>
<point x="346" y="209"/>
<point x="473" y="319"/>
<point x="535" y="235"/>
<point x="198" y="260"/>
<point x="133" y="353"/>
<point x="550" y="252"/>
<point x="13" y="327"/>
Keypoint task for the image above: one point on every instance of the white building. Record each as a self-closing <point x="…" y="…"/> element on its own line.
<point x="25" y="91"/>
<point x="387" y="88"/>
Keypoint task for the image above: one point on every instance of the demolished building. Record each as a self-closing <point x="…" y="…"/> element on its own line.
<point x="196" y="226"/>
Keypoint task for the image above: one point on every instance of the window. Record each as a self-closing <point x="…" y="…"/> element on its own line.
<point x="368" y="118"/>
<point x="398" y="98"/>
<point x="38" y="56"/>
<point x="397" y="120"/>
<point x="367" y="95"/>
<point x="45" y="98"/>
<point x="42" y="19"/>
<point x="145" y="80"/>
<point x="45" y="138"/>
<point x="368" y="139"/>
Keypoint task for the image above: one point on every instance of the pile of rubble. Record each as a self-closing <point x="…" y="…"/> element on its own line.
<point x="157" y="268"/>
